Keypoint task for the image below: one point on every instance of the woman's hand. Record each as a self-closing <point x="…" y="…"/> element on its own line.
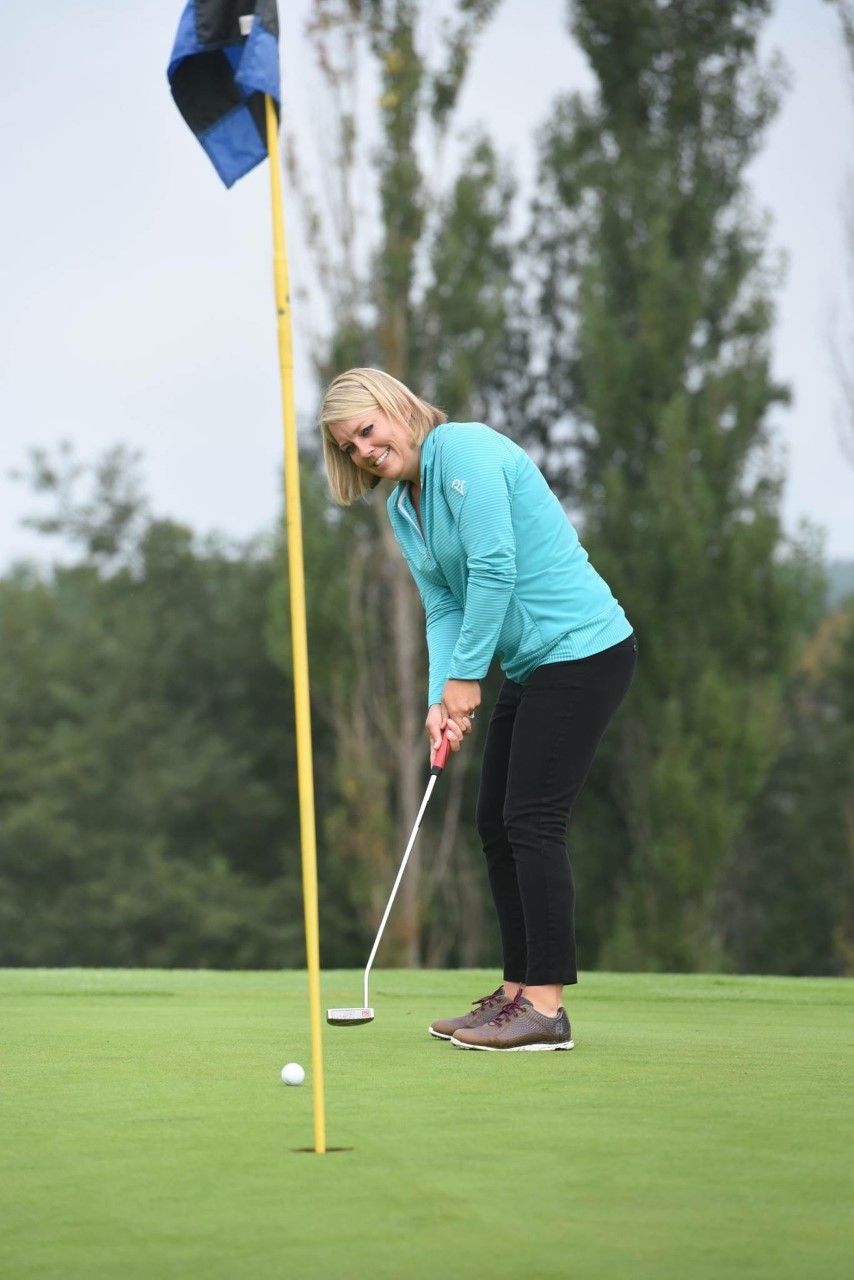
<point x="439" y="727"/>
<point x="460" y="699"/>
<point x="435" y="725"/>
<point x="440" y="723"/>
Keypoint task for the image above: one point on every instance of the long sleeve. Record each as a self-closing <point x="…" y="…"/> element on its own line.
<point x="485" y="528"/>
<point x="498" y="565"/>
<point x="444" y="620"/>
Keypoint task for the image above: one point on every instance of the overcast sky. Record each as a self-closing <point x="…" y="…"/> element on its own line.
<point x="136" y="301"/>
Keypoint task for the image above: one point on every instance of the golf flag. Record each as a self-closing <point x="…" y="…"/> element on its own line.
<point x="224" y="76"/>
<point x="224" y="60"/>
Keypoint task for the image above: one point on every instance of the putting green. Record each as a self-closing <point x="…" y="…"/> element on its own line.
<point x="698" y="1130"/>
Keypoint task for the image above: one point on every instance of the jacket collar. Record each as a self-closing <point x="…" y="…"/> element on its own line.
<point x="428" y="448"/>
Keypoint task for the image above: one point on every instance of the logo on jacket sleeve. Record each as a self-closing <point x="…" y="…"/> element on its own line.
<point x="459" y="486"/>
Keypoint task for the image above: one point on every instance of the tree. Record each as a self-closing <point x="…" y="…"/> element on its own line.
<point x="786" y="902"/>
<point x="147" y="796"/>
<point x="642" y="372"/>
<point x="425" y="300"/>
<point x="788" y="893"/>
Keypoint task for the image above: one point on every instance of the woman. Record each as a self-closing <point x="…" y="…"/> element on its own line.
<point x="501" y="573"/>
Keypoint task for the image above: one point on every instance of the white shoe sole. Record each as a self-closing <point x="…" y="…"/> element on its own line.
<point x="437" y="1034"/>
<point x="513" y="1048"/>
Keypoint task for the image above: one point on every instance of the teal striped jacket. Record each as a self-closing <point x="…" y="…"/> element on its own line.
<point x="497" y="563"/>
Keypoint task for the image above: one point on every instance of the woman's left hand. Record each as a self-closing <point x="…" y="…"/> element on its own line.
<point x="460" y="700"/>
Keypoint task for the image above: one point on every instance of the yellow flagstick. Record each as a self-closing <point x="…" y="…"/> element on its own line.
<point x="298" y="628"/>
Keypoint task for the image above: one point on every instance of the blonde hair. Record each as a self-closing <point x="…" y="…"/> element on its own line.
<point x="361" y="391"/>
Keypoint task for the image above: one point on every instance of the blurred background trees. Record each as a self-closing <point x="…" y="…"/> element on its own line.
<point x="423" y="298"/>
<point x="644" y="356"/>
<point x="620" y="329"/>
<point x="147" y="758"/>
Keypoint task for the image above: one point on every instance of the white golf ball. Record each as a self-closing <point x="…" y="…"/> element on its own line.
<point x="292" y="1073"/>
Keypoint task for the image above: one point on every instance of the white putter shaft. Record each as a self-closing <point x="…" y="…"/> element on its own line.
<point x="355" y="1017"/>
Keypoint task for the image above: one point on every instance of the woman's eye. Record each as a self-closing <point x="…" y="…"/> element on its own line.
<point x="368" y="429"/>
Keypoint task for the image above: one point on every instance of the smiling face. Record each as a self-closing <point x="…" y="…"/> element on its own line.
<point x="372" y="428"/>
<point x="377" y="443"/>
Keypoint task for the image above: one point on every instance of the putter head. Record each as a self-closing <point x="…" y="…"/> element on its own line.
<point x="349" y="1017"/>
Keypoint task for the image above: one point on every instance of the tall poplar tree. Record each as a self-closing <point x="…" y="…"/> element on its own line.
<point x="642" y="374"/>
<point x="417" y="286"/>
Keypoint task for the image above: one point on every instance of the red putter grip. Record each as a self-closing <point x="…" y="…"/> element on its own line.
<point x="440" y="756"/>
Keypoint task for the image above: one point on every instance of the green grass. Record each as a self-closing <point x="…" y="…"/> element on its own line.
<point x="701" y="1128"/>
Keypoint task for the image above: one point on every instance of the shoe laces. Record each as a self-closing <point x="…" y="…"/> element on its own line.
<point x="486" y="1002"/>
<point x="508" y="1011"/>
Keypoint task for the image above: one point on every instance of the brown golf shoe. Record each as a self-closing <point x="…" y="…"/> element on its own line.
<point x="517" y="1026"/>
<point x="484" y="1009"/>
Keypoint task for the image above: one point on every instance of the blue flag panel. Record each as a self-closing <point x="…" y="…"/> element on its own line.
<point x="225" y="58"/>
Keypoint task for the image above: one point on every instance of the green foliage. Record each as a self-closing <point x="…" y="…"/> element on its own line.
<point x="459" y="325"/>
<point x="347" y="620"/>
<point x="644" y="365"/>
<point x="431" y="309"/>
<point x="105" y="523"/>
<point x="787" y="901"/>
<point x="147" y="795"/>
<point x="148" y="808"/>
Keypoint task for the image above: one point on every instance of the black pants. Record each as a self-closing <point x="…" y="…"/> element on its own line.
<point x="539" y="748"/>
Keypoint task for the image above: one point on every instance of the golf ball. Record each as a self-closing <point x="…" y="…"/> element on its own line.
<point x="292" y="1073"/>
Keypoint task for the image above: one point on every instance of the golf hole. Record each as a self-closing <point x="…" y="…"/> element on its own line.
<point x="330" y="1151"/>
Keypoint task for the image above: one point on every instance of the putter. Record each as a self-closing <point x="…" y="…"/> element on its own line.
<point x="356" y="1017"/>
